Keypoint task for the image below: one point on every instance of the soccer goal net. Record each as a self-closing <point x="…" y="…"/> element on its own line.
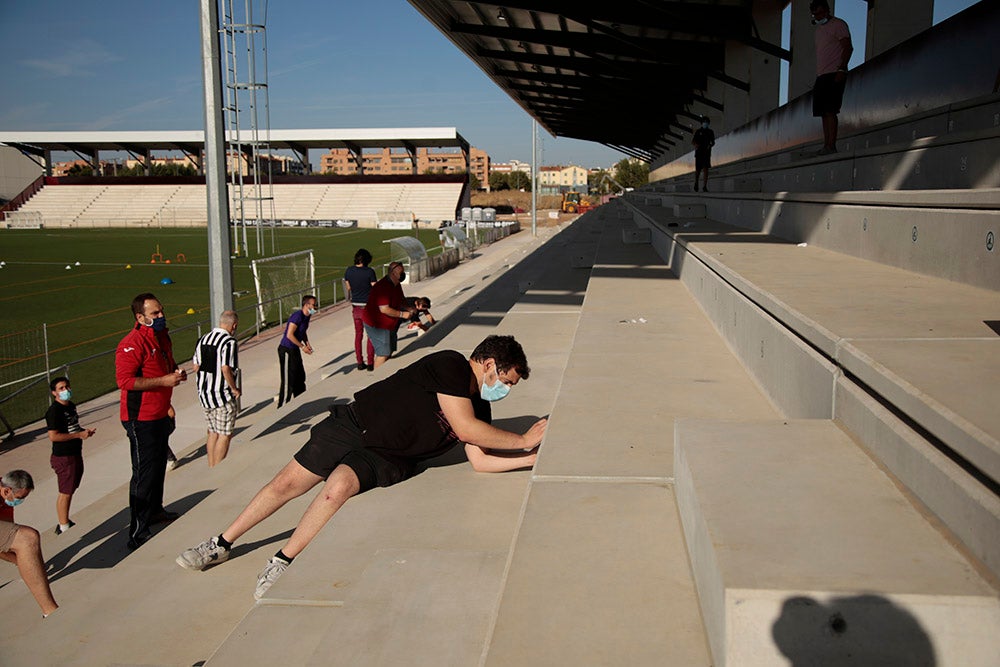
<point x="281" y="283"/>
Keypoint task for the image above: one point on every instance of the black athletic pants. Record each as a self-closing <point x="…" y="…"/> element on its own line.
<point x="148" y="446"/>
<point x="293" y="374"/>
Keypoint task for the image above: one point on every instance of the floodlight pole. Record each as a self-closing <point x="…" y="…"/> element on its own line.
<point x="220" y="267"/>
<point x="534" y="176"/>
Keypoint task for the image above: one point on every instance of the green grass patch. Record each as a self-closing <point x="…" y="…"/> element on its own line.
<point x="85" y="308"/>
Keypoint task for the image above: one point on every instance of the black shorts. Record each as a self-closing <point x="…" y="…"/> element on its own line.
<point x="828" y="94"/>
<point x="702" y="160"/>
<point x="337" y="440"/>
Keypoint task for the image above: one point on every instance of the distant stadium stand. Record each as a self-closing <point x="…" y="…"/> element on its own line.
<point x="110" y="203"/>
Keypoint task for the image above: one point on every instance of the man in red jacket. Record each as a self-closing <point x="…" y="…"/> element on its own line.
<point x="383" y="312"/>
<point x="147" y="374"/>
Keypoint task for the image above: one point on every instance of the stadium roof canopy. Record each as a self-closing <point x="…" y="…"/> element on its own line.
<point x="193" y="141"/>
<point x="621" y="73"/>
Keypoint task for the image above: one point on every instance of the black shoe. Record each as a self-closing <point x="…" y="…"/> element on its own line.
<point x="60" y="531"/>
<point x="696" y="187"/>
<point x="371" y="367"/>
<point x="163" y="517"/>
<point x="361" y="366"/>
<point x="705" y="189"/>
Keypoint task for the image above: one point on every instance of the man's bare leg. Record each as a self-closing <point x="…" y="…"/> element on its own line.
<point x="210" y="447"/>
<point x="830" y="130"/>
<point x="380" y="360"/>
<point x="63" y="501"/>
<point x="221" y="447"/>
<point x="341" y="485"/>
<point x="27" y="555"/>
<point x="291" y="482"/>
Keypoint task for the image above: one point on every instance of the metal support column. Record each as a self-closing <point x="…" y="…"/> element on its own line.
<point x="220" y="269"/>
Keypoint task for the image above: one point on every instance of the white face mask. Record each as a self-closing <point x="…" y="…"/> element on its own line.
<point x="820" y="21"/>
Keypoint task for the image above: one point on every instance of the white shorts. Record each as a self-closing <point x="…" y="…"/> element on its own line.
<point x="221" y="420"/>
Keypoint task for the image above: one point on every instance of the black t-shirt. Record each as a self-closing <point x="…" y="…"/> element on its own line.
<point x="705" y="138"/>
<point x="401" y="414"/>
<point x="63" y="418"/>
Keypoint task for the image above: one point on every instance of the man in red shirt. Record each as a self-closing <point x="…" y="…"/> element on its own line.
<point x="147" y="374"/>
<point x="21" y="545"/>
<point x="384" y="310"/>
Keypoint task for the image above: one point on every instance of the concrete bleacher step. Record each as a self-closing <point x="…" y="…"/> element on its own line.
<point x="804" y="550"/>
<point x="600" y="552"/>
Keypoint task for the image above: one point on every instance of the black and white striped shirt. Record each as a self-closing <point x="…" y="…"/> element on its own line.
<point x="213" y="351"/>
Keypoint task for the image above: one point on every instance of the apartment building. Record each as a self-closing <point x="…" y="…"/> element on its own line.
<point x="558" y="179"/>
<point x="397" y="161"/>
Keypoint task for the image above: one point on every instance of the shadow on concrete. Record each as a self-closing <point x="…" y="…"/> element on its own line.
<point x="341" y="358"/>
<point x="20" y="437"/>
<point x="248" y="547"/>
<point x="541" y="272"/>
<point x="858" y="630"/>
<point x="257" y="407"/>
<point x="110" y="538"/>
<point x="301" y="415"/>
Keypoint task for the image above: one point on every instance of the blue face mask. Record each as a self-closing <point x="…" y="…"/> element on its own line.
<point x="65" y="395"/>
<point x="14" y="503"/>
<point x="494" y="392"/>
<point x="158" y="323"/>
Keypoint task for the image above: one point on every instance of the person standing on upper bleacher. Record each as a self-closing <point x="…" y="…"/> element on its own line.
<point x="703" y="140"/>
<point x="833" y="53"/>
<point x="358" y="281"/>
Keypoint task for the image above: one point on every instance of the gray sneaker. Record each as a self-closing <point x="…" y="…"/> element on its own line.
<point x="274" y="569"/>
<point x="207" y="553"/>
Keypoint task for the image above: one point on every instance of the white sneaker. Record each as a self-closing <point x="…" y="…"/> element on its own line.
<point x="171" y="464"/>
<point x="274" y="569"/>
<point x="207" y="553"/>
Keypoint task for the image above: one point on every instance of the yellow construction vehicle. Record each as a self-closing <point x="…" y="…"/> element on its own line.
<point x="574" y="202"/>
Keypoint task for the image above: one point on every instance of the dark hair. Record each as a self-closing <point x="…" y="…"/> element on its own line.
<point x="61" y="378"/>
<point x="139" y="303"/>
<point x="423" y="302"/>
<point x="506" y="352"/>
<point x="815" y="4"/>
<point x="307" y="297"/>
<point x="363" y="257"/>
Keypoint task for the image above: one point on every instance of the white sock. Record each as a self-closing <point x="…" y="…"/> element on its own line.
<point x="64" y="526"/>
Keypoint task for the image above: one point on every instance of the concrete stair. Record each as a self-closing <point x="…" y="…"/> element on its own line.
<point x="848" y="348"/>
<point x="804" y="550"/>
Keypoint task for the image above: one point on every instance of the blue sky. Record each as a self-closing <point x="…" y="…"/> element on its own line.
<point x="136" y="65"/>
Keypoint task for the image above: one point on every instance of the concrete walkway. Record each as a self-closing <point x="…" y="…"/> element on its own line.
<point x="90" y="568"/>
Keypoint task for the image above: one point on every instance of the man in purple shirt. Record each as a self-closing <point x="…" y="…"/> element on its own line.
<point x="293" y="343"/>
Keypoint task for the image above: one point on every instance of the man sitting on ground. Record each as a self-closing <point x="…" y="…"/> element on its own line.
<point x="434" y="403"/>
<point x="21" y="545"/>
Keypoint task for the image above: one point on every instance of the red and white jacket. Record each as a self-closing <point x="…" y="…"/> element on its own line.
<point x="144" y="353"/>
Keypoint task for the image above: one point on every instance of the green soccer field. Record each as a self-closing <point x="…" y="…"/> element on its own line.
<point x="85" y="308"/>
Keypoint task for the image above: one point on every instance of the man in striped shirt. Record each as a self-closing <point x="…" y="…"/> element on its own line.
<point x="216" y="362"/>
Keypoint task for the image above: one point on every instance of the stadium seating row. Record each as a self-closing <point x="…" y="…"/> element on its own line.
<point x="184" y="205"/>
